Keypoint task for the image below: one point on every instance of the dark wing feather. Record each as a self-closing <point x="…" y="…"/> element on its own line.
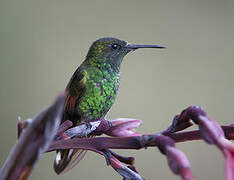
<point x="74" y="89"/>
<point x="67" y="159"/>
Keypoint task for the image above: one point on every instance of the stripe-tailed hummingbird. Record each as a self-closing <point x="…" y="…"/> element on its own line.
<point x="92" y="90"/>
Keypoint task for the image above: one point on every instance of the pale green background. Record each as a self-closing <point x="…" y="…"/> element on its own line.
<point x="42" y="42"/>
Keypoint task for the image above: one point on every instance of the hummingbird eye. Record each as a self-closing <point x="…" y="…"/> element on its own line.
<point x="115" y="46"/>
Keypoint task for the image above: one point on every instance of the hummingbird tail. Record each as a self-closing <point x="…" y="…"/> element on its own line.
<point x="67" y="159"/>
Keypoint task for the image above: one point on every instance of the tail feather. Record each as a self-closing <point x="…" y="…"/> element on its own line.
<point x="67" y="159"/>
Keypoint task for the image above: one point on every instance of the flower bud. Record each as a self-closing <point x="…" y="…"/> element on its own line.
<point x="123" y="127"/>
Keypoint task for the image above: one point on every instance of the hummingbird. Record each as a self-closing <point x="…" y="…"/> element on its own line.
<point x="92" y="90"/>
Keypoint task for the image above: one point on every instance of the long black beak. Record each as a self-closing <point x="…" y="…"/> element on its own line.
<point x="137" y="46"/>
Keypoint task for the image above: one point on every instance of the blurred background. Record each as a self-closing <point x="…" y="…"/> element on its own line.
<point x="43" y="42"/>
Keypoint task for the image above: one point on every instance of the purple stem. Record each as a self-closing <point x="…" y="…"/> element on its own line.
<point x="134" y="142"/>
<point x="33" y="141"/>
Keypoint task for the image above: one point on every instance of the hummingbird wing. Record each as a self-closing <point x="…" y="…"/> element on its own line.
<point x="74" y="90"/>
<point x="68" y="158"/>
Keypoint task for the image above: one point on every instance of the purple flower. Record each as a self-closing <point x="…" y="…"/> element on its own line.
<point x="227" y="147"/>
<point x="123" y="127"/>
<point x="212" y="133"/>
<point x="178" y="163"/>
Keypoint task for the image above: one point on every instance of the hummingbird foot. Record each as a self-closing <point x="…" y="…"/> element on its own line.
<point x="82" y="130"/>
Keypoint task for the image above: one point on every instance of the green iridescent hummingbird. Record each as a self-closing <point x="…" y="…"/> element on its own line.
<point x="92" y="90"/>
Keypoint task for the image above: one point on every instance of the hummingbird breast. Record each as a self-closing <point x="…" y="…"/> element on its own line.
<point x="101" y="86"/>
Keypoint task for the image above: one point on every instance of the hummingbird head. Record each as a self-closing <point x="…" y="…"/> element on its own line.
<point x="112" y="51"/>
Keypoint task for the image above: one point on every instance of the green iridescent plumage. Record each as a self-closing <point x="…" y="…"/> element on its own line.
<point x="99" y="92"/>
<point x="92" y="90"/>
